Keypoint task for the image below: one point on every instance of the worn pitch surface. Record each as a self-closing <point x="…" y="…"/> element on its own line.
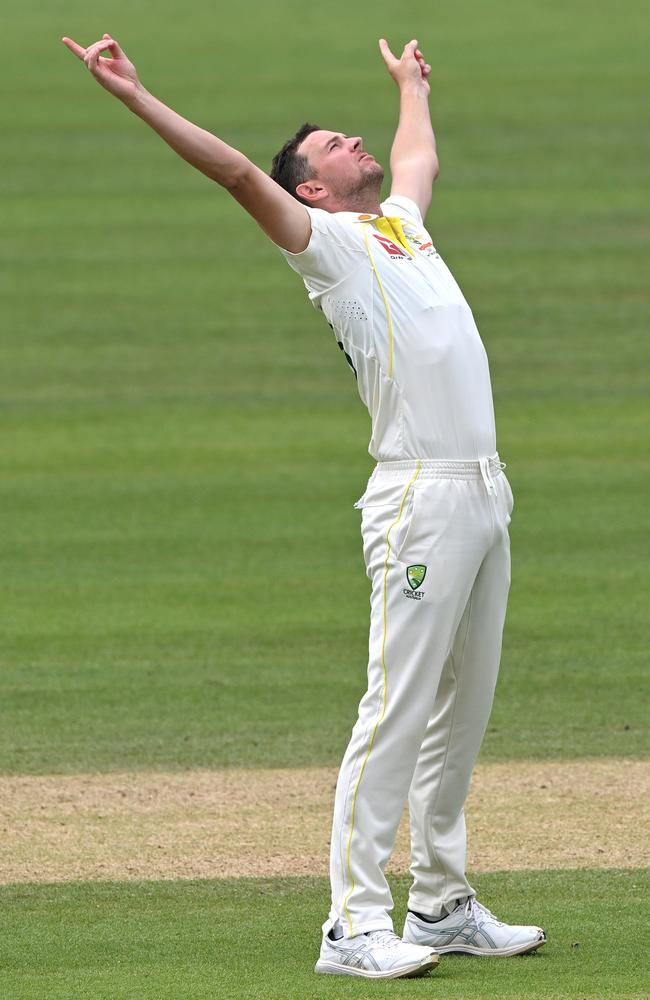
<point x="204" y="824"/>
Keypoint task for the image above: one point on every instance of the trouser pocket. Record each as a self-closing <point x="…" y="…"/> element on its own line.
<point x="387" y="522"/>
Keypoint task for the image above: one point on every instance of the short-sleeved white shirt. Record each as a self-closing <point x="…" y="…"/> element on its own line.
<point x="406" y="330"/>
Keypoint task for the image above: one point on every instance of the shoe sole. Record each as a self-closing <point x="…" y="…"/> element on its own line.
<point x="407" y="972"/>
<point x="526" y="949"/>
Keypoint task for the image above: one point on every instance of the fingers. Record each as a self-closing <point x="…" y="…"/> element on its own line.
<point x="78" y="50"/>
<point x="91" y="54"/>
<point x="115" y="49"/>
<point x="424" y="66"/>
<point x="411" y="51"/>
<point x="386" y="52"/>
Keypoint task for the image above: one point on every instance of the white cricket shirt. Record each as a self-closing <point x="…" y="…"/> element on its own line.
<point x="406" y="330"/>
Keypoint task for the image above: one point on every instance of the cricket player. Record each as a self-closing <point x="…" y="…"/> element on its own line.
<point x="435" y="513"/>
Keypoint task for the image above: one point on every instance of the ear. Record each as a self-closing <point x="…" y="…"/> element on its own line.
<point x="312" y="191"/>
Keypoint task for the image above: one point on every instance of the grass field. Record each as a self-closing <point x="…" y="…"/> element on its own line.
<point x="172" y="940"/>
<point x="182" y="444"/>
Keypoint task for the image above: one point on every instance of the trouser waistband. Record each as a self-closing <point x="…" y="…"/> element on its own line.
<point x="425" y="468"/>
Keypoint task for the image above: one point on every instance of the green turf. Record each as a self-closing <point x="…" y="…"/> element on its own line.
<point x="182" y="580"/>
<point x="259" y="938"/>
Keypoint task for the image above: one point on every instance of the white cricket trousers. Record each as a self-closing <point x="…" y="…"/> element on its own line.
<point x="437" y="552"/>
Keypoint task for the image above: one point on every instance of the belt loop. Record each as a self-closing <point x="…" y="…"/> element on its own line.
<point x="484" y="465"/>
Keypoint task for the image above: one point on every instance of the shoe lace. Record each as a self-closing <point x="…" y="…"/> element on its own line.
<point x="385" y="938"/>
<point x="474" y="909"/>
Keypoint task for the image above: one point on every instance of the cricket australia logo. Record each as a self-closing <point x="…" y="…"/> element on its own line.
<point x="415" y="577"/>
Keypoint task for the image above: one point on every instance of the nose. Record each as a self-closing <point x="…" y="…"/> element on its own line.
<point x="356" y="142"/>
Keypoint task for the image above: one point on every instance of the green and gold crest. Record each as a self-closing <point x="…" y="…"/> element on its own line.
<point x="415" y="576"/>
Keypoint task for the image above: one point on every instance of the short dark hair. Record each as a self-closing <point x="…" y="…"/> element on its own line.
<point x="290" y="168"/>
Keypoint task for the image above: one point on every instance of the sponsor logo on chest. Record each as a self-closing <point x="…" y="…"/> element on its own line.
<point x="420" y="243"/>
<point x="392" y="249"/>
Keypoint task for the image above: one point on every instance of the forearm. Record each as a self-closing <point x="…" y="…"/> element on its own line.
<point x="203" y="150"/>
<point x="414" y="138"/>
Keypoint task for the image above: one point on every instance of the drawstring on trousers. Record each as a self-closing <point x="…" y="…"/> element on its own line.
<point x="484" y="465"/>
<point x="430" y="468"/>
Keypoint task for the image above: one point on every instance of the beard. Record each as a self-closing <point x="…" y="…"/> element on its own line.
<point x="366" y="184"/>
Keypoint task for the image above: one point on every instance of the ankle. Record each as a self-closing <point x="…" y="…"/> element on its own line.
<point x="441" y="913"/>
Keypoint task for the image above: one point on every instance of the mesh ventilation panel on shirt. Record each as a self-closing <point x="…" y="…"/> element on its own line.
<point x="348" y="309"/>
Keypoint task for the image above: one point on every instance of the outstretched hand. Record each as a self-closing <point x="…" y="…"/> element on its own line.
<point x="117" y="74"/>
<point x="411" y="68"/>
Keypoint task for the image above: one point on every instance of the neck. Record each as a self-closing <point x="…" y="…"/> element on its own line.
<point x="359" y="206"/>
<point x="363" y="201"/>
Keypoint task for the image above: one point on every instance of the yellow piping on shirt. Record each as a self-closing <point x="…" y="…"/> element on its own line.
<point x="386" y="307"/>
<point x="383" y="700"/>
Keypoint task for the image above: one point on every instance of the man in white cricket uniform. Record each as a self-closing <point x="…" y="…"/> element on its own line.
<point x="435" y="513"/>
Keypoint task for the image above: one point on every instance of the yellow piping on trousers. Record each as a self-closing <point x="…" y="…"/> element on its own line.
<point x="383" y="702"/>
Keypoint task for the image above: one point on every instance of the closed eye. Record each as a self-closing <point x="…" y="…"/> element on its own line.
<point x="334" y="142"/>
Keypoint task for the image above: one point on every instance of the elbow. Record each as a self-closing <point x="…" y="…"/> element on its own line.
<point x="436" y="170"/>
<point x="234" y="176"/>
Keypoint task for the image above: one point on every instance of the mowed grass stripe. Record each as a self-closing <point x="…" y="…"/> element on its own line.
<point x="182" y="443"/>
<point x="257" y="939"/>
<point x="186" y="588"/>
<point x="206" y="824"/>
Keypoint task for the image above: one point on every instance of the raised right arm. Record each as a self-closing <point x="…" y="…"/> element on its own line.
<point x="284" y="219"/>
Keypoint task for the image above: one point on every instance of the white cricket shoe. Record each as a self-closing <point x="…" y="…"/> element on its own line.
<point x="472" y="930"/>
<point x="375" y="955"/>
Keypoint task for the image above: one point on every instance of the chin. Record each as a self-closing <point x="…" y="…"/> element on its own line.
<point x="373" y="169"/>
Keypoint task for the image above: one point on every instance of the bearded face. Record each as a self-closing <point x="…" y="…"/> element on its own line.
<point x="340" y="166"/>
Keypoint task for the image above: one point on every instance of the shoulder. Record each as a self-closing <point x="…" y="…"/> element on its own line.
<point x="403" y="207"/>
<point x="335" y="249"/>
<point x="331" y="230"/>
<point x="345" y="224"/>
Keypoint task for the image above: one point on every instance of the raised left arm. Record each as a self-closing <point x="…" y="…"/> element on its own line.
<point x="413" y="157"/>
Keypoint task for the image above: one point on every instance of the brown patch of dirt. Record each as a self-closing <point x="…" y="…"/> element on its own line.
<point x="212" y="824"/>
